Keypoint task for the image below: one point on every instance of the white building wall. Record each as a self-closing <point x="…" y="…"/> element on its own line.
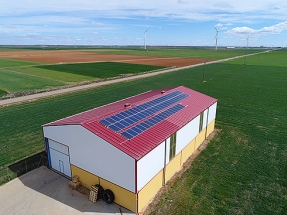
<point x="61" y="134"/>
<point x="186" y="134"/>
<point x="212" y="112"/>
<point x="95" y="155"/>
<point x="205" y="116"/>
<point x="150" y="165"/>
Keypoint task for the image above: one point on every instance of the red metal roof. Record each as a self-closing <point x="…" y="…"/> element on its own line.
<point x="143" y="143"/>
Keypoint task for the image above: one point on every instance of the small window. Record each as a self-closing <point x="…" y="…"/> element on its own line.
<point x="172" y="146"/>
<point x="201" y="121"/>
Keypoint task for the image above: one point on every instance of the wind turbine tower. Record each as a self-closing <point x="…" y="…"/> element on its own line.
<point x="247" y="40"/>
<point x="216" y="38"/>
<point x="145" y="38"/>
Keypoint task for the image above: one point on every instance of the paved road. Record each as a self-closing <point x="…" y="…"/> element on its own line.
<point x="93" y="85"/>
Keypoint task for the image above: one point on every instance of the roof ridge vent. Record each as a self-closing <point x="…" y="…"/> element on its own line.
<point x="126" y="105"/>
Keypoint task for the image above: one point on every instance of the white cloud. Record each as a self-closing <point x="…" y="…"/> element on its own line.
<point x="274" y="29"/>
<point x="223" y="5"/>
<point x="97" y="23"/>
<point x="150" y="8"/>
<point x="223" y="26"/>
<point x="182" y="2"/>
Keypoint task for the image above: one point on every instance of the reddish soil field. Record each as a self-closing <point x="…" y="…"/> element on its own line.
<point x="56" y="57"/>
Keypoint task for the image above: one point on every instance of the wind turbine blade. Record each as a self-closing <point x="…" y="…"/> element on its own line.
<point x="147" y="30"/>
<point x="215" y="28"/>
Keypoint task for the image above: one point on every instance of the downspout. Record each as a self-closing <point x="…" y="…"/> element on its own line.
<point x="206" y="123"/>
<point x="164" y="163"/>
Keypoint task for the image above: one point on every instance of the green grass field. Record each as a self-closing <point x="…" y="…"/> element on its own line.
<point x="15" y="82"/>
<point x="53" y="75"/>
<point x="242" y="171"/>
<point x="102" y="69"/>
<point x="9" y="63"/>
<point x="206" y="53"/>
<point x="185" y="52"/>
<point x="269" y="59"/>
<point x="21" y="75"/>
<point x="2" y="92"/>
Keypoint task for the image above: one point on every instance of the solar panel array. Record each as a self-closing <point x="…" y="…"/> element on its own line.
<point x="125" y="119"/>
<point x="143" y="126"/>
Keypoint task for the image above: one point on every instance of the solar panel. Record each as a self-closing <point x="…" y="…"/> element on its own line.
<point x="127" y="135"/>
<point x="143" y="126"/>
<point x="133" y="115"/>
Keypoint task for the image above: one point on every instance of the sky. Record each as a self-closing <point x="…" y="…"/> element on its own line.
<point x="122" y="23"/>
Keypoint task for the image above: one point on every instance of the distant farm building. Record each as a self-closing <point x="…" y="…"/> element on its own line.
<point x="133" y="146"/>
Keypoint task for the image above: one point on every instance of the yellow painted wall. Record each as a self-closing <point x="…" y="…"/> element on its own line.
<point x="210" y="128"/>
<point x="172" y="167"/>
<point x="187" y="151"/>
<point x="87" y="178"/>
<point x="123" y="197"/>
<point x="200" y="138"/>
<point x="150" y="190"/>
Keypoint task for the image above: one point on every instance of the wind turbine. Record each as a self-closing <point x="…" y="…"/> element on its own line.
<point x="145" y="38"/>
<point x="247" y="40"/>
<point x="216" y="38"/>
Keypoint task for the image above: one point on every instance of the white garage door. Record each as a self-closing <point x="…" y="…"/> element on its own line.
<point x="59" y="157"/>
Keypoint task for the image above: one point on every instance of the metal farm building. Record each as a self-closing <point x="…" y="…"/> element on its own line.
<point x="133" y="146"/>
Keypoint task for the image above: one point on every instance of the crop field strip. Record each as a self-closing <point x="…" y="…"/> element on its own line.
<point x="47" y="76"/>
<point x="35" y="75"/>
<point x="242" y="171"/>
<point x="11" y="81"/>
<point x="207" y="53"/>
<point x="27" y="76"/>
<point x="102" y="69"/>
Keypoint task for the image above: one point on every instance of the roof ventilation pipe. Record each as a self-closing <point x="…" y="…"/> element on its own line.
<point x="126" y="105"/>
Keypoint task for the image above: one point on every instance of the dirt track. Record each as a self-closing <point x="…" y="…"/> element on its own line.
<point x="79" y="56"/>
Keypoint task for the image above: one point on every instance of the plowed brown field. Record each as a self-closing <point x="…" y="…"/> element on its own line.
<point x="81" y="57"/>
